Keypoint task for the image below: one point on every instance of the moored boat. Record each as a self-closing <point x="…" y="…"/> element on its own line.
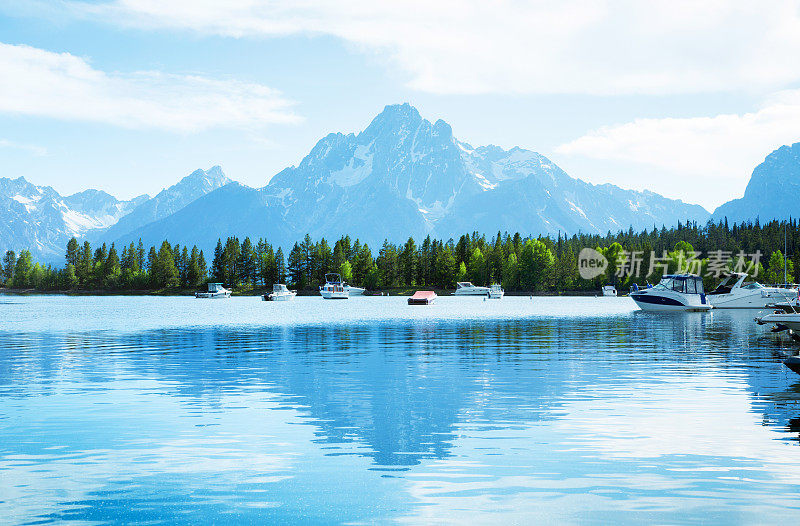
<point x="734" y="293"/>
<point x="354" y="291"/>
<point x="333" y="289"/>
<point x="466" y="288"/>
<point x="674" y="293"/>
<point x="279" y="293"/>
<point x="496" y="292"/>
<point x="214" y="291"/>
<point x="609" y="290"/>
<point x="422" y="297"/>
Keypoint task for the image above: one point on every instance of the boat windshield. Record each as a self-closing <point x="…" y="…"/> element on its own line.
<point x="753" y="285"/>
<point x="465" y="284"/>
<point x="682" y="284"/>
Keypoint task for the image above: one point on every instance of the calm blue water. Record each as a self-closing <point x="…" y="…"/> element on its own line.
<point x="570" y="410"/>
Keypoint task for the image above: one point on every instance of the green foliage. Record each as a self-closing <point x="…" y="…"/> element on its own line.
<point x="22" y="270"/>
<point x="346" y="271"/>
<point x="520" y="263"/>
<point x="9" y="261"/>
<point x="775" y="272"/>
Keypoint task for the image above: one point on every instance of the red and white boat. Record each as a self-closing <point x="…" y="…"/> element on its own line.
<point x="422" y="297"/>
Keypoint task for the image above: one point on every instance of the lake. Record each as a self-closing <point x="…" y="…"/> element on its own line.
<point x="524" y="410"/>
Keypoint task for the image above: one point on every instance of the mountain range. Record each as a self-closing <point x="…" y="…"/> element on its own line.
<point x="772" y="193"/>
<point x="401" y="176"/>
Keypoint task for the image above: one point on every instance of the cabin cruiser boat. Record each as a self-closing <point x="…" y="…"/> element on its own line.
<point x="465" y="288"/>
<point x="734" y="293"/>
<point x="496" y="292"/>
<point x="215" y="290"/>
<point x="353" y="291"/>
<point x="609" y="290"/>
<point x="422" y="297"/>
<point x="279" y="293"/>
<point x="333" y="289"/>
<point x="675" y="293"/>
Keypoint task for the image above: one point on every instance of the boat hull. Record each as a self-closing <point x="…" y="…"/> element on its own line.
<point x="279" y="297"/>
<point x="334" y="295"/>
<point x="793" y="363"/>
<point x="658" y="303"/>
<point x="789" y="320"/>
<point x="212" y="295"/>
<point x="748" y="301"/>
<point x="422" y="297"/>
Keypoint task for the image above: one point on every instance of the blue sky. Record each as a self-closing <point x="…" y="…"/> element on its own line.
<point x="128" y="96"/>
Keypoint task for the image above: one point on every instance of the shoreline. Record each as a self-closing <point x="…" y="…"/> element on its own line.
<point x="260" y="291"/>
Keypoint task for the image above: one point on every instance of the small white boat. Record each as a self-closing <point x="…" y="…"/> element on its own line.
<point x="496" y="292"/>
<point x="333" y="289"/>
<point x="675" y="293"/>
<point x="465" y="288"/>
<point x="279" y="293"/>
<point x="734" y="293"/>
<point x="353" y="291"/>
<point x="215" y="290"/>
<point x="609" y="290"/>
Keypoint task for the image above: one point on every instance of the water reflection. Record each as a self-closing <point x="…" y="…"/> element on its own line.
<point x="423" y="420"/>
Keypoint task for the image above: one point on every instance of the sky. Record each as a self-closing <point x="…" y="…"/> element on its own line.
<point x="682" y="98"/>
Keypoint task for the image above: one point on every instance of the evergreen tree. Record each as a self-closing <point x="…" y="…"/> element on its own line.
<point x="407" y="261"/>
<point x="22" y="269"/>
<point x="73" y="252"/>
<point x="9" y="261"/>
<point x="217" y="264"/>
<point x="85" y="265"/>
<point x="165" y="271"/>
<point x="280" y="266"/>
<point x="295" y="267"/>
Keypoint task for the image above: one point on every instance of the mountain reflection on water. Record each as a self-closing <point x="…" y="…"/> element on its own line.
<point x="591" y="418"/>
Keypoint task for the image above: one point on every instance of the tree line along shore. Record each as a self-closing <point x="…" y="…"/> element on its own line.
<point x="521" y="264"/>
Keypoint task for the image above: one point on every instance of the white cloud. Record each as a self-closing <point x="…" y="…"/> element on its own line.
<point x="31" y="148"/>
<point x="703" y="151"/>
<point x="64" y="86"/>
<point x="508" y="46"/>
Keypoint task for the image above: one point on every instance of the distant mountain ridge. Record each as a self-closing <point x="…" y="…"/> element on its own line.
<point x="39" y="219"/>
<point x="772" y="193"/>
<point x="166" y="202"/>
<point x="402" y="176"/>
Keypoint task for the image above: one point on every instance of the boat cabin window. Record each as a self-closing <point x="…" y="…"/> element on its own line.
<point x="682" y="284"/>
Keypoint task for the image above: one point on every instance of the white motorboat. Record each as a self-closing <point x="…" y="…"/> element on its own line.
<point x="675" y="293"/>
<point x="734" y="293"/>
<point x="215" y="291"/>
<point x="353" y="291"/>
<point x="785" y="315"/>
<point x="496" y="292"/>
<point x="782" y="319"/>
<point x="465" y="288"/>
<point x="333" y="289"/>
<point x="279" y="293"/>
<point x="609" y="290"/>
